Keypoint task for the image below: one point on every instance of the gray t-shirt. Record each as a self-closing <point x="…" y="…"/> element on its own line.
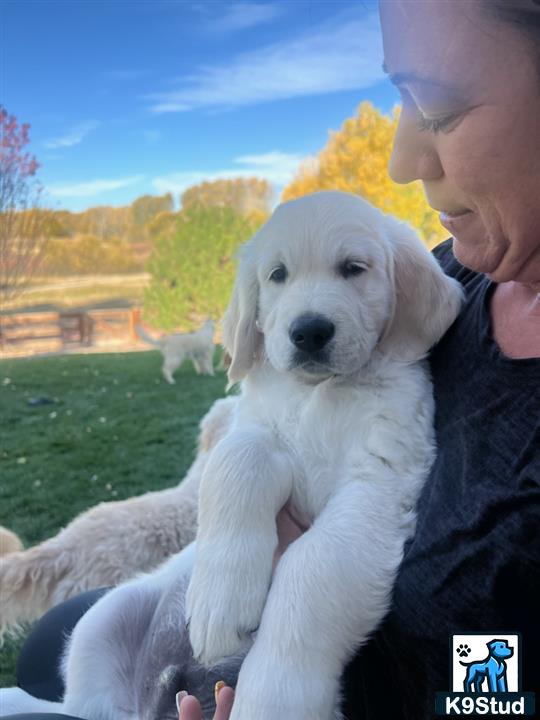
<point x="474" y="563"/>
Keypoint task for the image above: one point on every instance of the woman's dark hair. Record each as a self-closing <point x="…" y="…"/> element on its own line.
<point x="524" y="15"/>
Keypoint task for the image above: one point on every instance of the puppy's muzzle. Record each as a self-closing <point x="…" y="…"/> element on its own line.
<point x="311" y="333"/>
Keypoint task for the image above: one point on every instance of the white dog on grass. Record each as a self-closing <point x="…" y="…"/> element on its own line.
<point x="197" y="346"/>
<point x="334" y="308"/>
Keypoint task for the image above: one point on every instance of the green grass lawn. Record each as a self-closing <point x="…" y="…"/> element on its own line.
<point x="114" y="429"/>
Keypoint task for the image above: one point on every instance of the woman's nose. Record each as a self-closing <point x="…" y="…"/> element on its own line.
<point x="414" y="154"/>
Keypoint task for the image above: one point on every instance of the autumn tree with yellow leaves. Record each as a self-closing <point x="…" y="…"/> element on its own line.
<point x="355" y="160"/>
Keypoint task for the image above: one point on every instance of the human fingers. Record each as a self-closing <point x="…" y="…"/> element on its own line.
<point x="225" y="697"/>
<point x="188" y="706"/>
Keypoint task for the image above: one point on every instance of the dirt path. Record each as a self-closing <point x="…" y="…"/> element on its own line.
<point x="80" y="281"/>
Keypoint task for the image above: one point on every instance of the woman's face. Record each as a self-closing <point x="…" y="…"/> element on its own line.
<point x="469" y="128"/>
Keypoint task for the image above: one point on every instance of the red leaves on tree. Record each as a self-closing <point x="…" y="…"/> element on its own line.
<point x="22" y="229"/>
<point x="14" y="138"/>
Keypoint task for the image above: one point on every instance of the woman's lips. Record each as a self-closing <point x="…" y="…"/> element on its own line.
<point x="455" y="223"/>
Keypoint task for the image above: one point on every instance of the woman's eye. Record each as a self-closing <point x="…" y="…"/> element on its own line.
<point x="434" y="125"/>
<point x="350" y="268"/>
<point x="278" y="274"/>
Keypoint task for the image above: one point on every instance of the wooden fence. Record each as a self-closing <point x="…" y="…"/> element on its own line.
<point x="31" y="333"/>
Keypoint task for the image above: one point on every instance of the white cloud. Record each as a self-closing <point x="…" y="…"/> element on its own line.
<point x="73" y="136"/>
<point x="343" y="55"/>
<point x="91" y="187"/>
<point x="243" y="15"/>
<point x="276" y="167"/>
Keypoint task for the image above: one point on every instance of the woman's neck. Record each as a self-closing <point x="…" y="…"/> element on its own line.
<point x="515" y="317"/>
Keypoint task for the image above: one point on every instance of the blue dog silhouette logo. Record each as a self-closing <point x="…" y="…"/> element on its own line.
<point x="489" y="674"/>
<point x="485" y="677"/>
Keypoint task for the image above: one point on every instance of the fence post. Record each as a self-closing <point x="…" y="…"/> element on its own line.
<point x="134" y="319"/>
<point x="87" y="325"/>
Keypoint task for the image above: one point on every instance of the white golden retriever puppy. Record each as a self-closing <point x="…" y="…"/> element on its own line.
<point x="334" y="308"/>
<point x="196" y="346"/>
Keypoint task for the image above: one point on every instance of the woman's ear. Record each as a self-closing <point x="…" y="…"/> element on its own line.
<point x="426" y="300"/>
<point x="241" y="338"/>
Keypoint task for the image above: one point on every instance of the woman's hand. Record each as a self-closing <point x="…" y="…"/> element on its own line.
<point x="190" y="709"/>
<point x="289" y="528"/>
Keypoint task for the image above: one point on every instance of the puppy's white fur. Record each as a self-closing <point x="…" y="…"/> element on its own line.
<point x="197" y="346"/>
<point x="346" y="441"/>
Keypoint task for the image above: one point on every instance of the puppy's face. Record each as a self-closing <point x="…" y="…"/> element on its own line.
<point x="324" y="290"/>
<point x="327" y="280"/>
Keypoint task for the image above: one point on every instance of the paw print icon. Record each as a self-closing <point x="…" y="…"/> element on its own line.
<point x="463" y="650"/>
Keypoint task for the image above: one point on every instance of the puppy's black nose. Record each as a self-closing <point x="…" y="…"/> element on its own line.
<point x="311" y="332"/>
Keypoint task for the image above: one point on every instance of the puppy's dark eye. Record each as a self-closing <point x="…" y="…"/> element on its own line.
<point x="350" y="268"/>
<point x="278" y="274"/>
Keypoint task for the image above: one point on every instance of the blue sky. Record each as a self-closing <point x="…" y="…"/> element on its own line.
<point x="132" y="97"/>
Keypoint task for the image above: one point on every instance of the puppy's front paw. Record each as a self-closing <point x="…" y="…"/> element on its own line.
<point x="270" y="689"/>
<point x="224" y="603"/>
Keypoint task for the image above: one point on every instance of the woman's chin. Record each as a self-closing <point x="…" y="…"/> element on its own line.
<point x="479" y="258"/>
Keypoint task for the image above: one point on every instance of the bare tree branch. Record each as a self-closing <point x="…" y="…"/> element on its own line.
<point x="23" y="225"/>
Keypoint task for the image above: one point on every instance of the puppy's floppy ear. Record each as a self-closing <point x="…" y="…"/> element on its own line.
<point x="426" y="300"/>
<point x="241" y="338"/>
